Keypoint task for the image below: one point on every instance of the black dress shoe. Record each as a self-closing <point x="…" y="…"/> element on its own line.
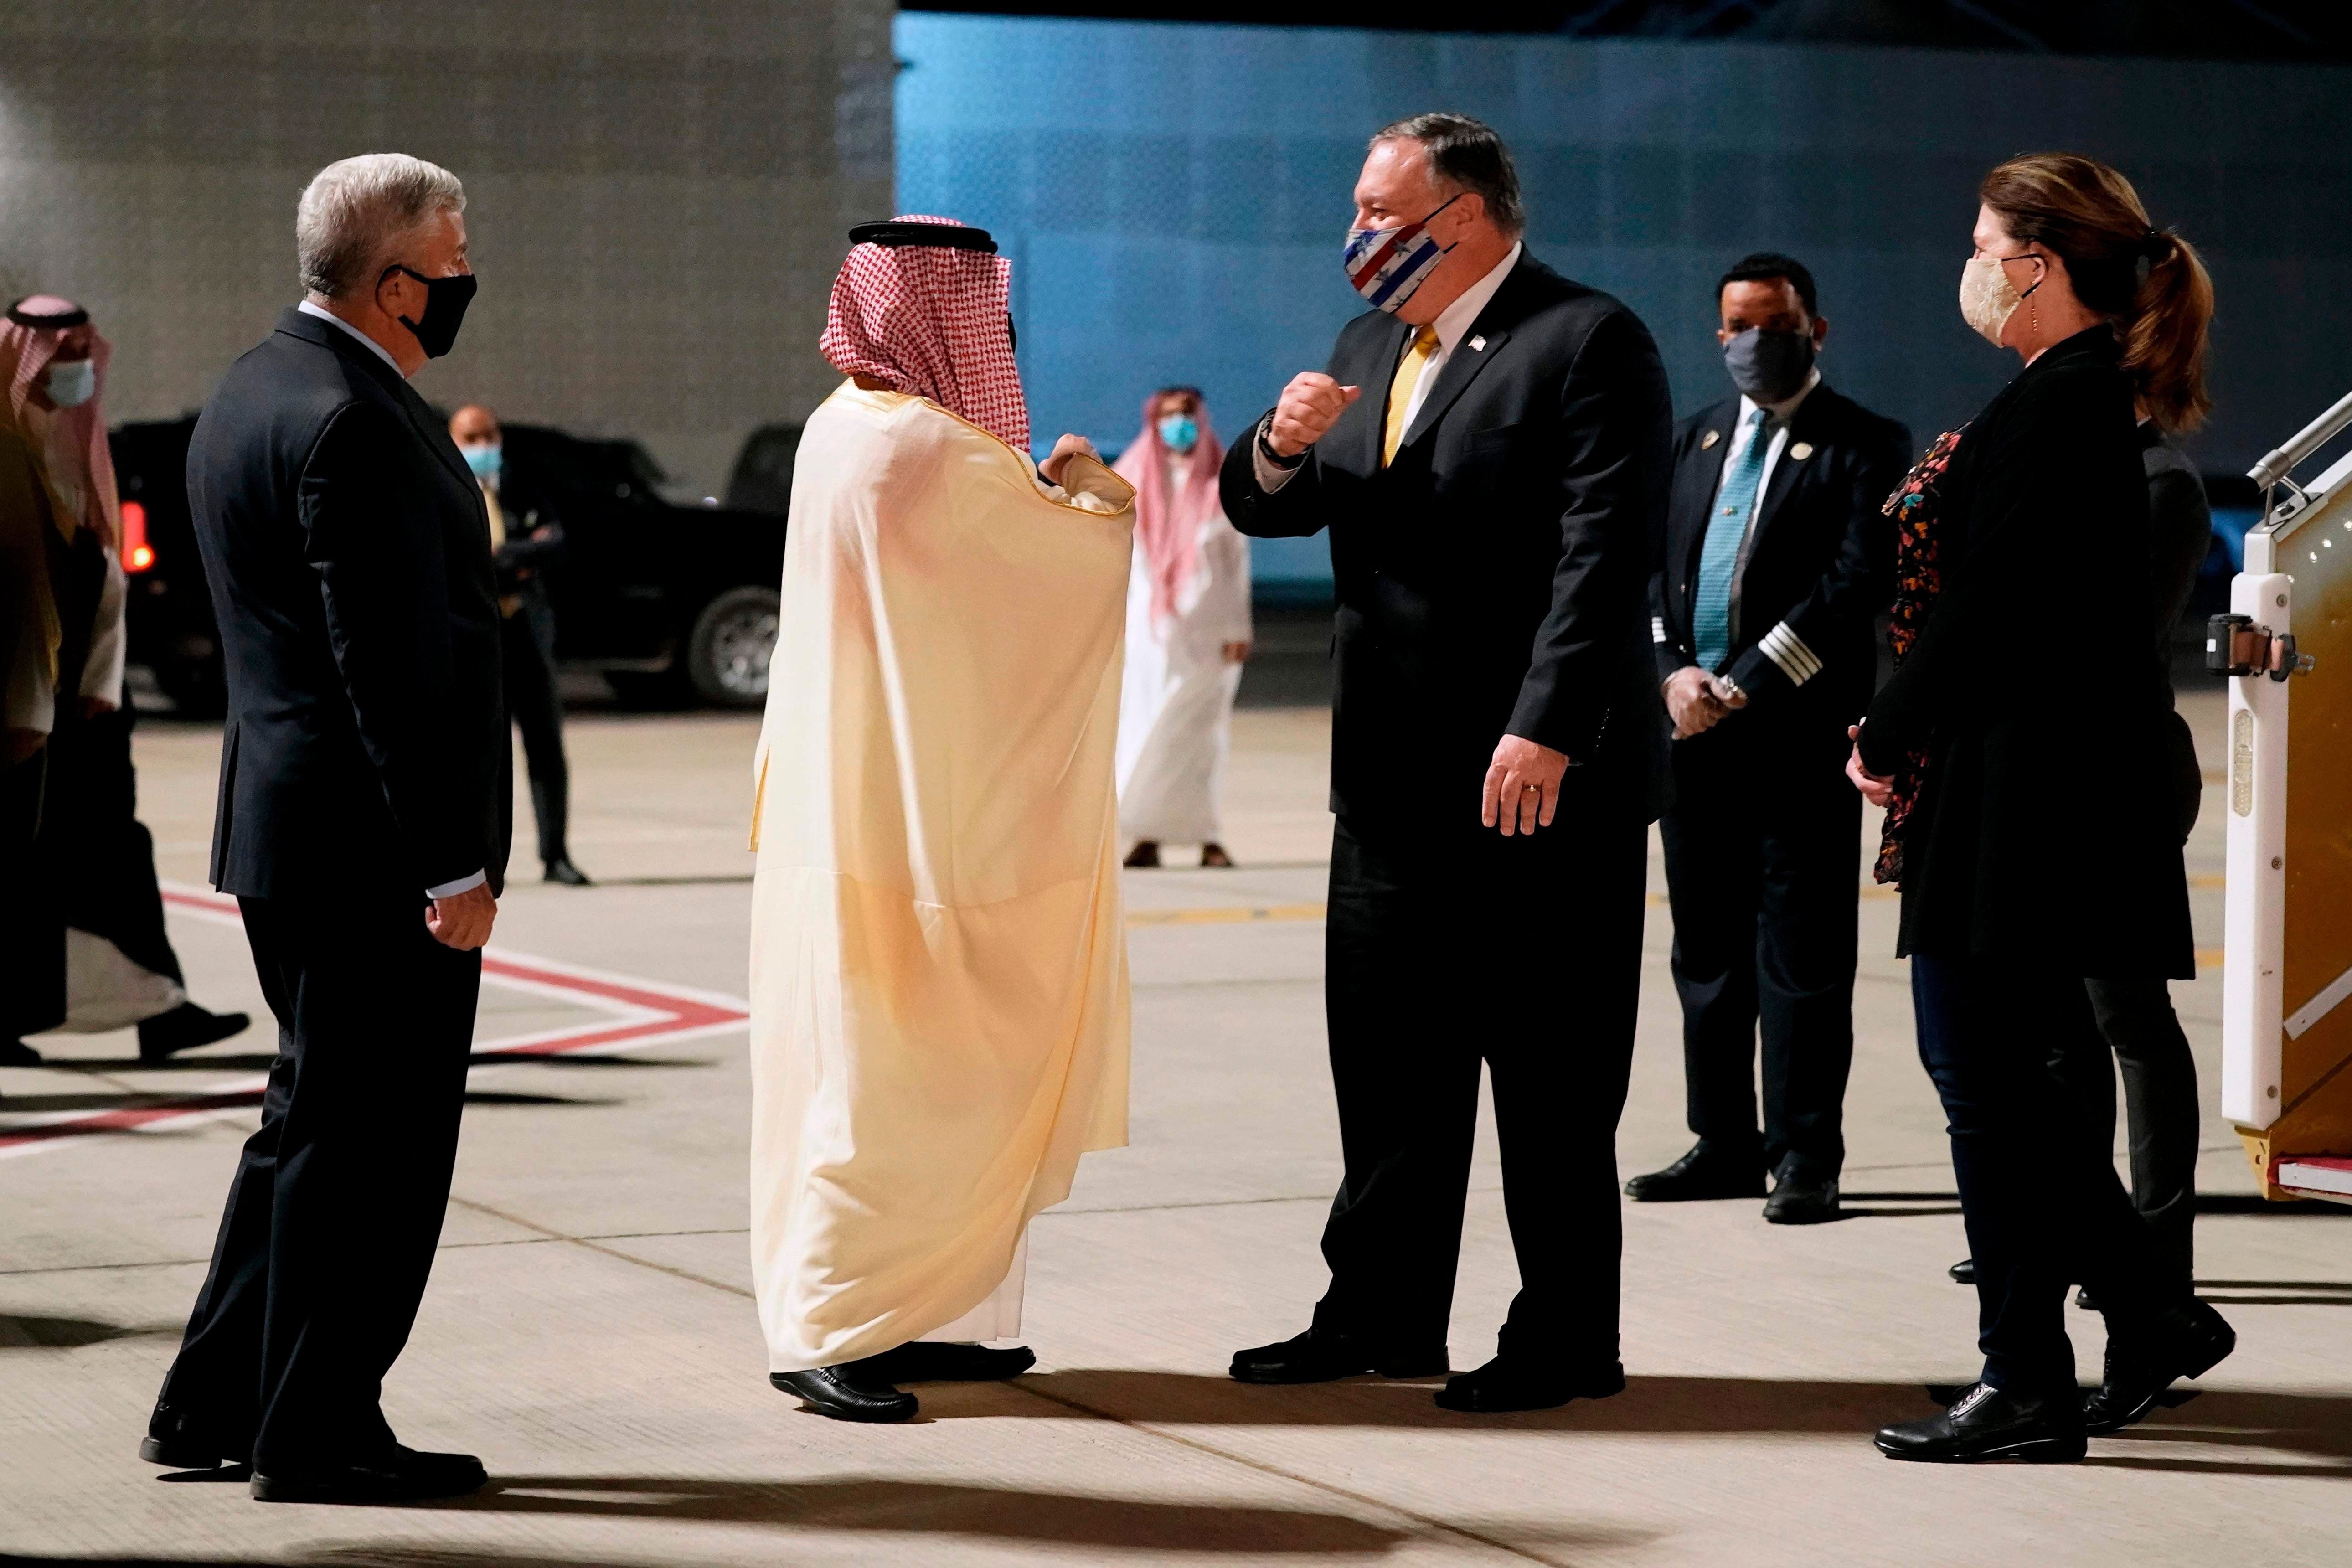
<point x="1990" y="1423"/>
<point x="1505" y="1385"/>
<point x="915" y="1361"/>
<point x="17" y="1053"/>
<point x="1964" y="1272"/>
<point x="828" y="1393"/>
<point x="1144" y="856"/>
<point x="2185" y="1341"/>
<point x="1697" y="1176"/>
<point x="1319" y="1356"/>
<point x="184" y="1028"/>
<point x="396" y="1475"/>
<point x="562" y="869"/>
<point x="179" y="1441"/>
<point x="1797" y="1200"/>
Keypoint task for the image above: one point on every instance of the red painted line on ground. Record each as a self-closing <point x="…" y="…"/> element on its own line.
<point x="679" y="1011"/>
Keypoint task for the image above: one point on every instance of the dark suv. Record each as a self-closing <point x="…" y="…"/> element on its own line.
<point x="669" y="603"/>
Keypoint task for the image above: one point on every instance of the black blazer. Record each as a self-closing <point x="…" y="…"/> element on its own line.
<point x="1491" y="580"/>
<point x="349" y="558"/>
<point x="2046" y="828"/>
<point x="1818" y="567"/>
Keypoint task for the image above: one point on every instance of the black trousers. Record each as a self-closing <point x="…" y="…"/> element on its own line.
<point x="92" y="867"/>
<point x="1762" y="856"/>
<point x="1445" y="948"/>
<point x="336" y="1207"/>
<point x="526" y="644"/>
<point x="30" y="987"/>
<point x="2039" y="1194"/>
<point x="2138" y="1028"/>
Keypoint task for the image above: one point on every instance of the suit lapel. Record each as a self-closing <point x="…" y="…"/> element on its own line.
<point x="1377" y="382"/>
<point x="1481" y="343"/>
<point x="1703" y="476"/>
<point x="1804" y="430"/>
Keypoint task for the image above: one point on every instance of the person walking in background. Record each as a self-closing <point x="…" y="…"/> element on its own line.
<point x="938" y="963"/>
<point x="1763" y="611"/>
<point x="90" y="952"/>
<point x="527" y="543"/>
<point x="2105" y="311"/>
<point x="1490" y="450"/>
<point x="2134" y="1013"/>
<point x="1188" y="633"/>
<point x="364" y="801"/>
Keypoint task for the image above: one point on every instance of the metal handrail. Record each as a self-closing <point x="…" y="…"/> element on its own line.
<point x="2277" y="464"/>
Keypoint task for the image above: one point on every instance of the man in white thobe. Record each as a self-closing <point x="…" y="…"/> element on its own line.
<point x="1188" y="631"/>
<point x="938" y="969"/>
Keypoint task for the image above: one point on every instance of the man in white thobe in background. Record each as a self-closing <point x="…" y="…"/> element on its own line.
<point x="938" y="963"/>
<point x="1188" y="631"/>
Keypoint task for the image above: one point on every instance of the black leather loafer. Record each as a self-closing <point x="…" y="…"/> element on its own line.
<point x="396" y="1475"/>
<point x="1504" y="1384"/>
<point x="1988" y="1424"/>
<point x="2185" y="1341"/>
<point x="1318" y="1356"/>
<point x="184" y="1028"/>
<point x="1697" y="1176"/>
<point x="561" y="869"/>
<point x="1795" y="1200"/>
<point x="826" y="1391"/>
<point x="1964" y="1272"/>
<point x="915" y="1361"/>
<point x="179" y="1441"/>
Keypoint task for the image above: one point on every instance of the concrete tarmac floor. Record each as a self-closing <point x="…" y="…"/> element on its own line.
<point x="589" y="1330"/>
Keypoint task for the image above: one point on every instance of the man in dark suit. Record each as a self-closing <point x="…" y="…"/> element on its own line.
<point x="527" y="543"/>
<point x="362" y="825"/>
<point x="1778" y="560"/>
<point x="1489" y="451"/>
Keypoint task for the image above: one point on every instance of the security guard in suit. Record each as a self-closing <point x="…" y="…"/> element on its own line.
<point x="528" y="539"/>
<point x="1778" y="560"/>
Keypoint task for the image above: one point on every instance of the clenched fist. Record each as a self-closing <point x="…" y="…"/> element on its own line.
<point x="1309" y="405"/>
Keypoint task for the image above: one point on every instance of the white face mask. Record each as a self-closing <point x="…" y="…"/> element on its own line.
<point x="72" y="382"/>
<point x="1987" y="299"/>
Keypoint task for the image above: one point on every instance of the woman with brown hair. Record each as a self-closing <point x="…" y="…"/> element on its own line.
<point x="2012" y="895"/>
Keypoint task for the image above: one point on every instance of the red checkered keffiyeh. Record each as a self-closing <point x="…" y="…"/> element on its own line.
<point x="932" y="322"/>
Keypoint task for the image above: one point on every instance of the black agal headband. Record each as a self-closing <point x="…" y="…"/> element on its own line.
<point x="950" y="236"/>
<point x="73" y="317"/>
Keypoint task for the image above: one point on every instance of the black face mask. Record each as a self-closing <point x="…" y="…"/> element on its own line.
<point x="1768" y="366"/>
<point x="446" y="299"/>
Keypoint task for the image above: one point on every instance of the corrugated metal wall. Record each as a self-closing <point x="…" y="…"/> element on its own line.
<point x="657" y="191"/>
<point x="1174" y="197"/>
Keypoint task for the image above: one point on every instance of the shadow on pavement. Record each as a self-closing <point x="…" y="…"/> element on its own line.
<point x="2315" y="1424"/>
<point x="1046" y="1519"/>
<point x="18" y="1333"/>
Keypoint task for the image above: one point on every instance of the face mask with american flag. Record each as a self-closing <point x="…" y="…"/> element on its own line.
<point x="1386" y="265"/>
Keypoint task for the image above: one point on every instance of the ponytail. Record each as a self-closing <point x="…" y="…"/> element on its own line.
<point x="2151" y="285"/>
<point x="2164" y="342"/>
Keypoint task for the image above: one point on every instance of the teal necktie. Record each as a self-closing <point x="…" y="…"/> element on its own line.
<point x="1711" y="608"/>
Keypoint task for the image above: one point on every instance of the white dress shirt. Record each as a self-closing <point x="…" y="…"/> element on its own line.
<point x="463" y="884"/>
<point x="1452" y="324"/>
<point x="373" y="347"/>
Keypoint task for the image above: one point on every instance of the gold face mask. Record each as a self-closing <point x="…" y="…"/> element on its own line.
<point x="1986" y="297"/>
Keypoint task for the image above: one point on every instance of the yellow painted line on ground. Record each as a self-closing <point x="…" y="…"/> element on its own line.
<point x="1228" y="914"/>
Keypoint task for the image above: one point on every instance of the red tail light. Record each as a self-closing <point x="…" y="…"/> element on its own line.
<point x="136" y="554"/>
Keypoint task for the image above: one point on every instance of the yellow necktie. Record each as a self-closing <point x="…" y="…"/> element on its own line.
<point x="1408" y="376"/>
<point x="497" y="518"/>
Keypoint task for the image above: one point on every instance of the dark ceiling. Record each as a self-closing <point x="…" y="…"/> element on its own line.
<point x="2282" y="30"/>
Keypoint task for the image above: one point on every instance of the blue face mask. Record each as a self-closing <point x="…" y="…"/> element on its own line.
<point x="72" y="382"/>
<point x="485" y="461"/>
<point x="1386" y="265"/>
<point x="1179" y="433"/>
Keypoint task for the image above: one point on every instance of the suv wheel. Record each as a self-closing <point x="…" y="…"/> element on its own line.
<point x="726" y="656"/>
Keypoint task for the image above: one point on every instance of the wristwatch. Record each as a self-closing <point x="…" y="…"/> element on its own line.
<point x="1265" y="445"/>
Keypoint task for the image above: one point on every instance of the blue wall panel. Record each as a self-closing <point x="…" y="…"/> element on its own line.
<point x="1173" y="197"/>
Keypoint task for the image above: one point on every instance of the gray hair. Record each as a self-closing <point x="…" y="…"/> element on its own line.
<point x="360" y="209"/>
<point x="1466" y="155"/>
